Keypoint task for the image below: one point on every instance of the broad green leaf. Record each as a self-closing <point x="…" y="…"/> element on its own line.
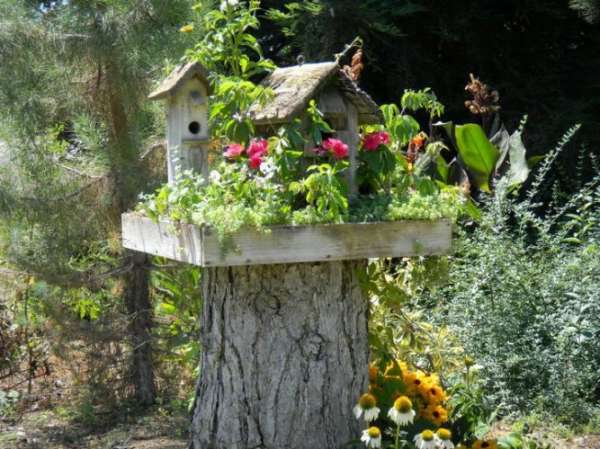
<point x="472" y="210"/>
<point x="477" y="153"/>
<point x="442" y="168"/>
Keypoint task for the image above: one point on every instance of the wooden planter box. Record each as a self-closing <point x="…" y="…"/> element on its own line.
<point x="286" y="244"/>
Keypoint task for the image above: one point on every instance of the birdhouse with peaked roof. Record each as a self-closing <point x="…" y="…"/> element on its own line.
<point x="186" y="91"/>
<point x="344" y="105"/>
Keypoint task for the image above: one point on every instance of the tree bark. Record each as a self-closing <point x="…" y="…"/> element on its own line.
<point x="139" y="309"/>
<point x="285" y="357"/>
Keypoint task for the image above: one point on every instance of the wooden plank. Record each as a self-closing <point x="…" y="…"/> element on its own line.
<point x="287" y="244"/>
<point x="176" y="242"/>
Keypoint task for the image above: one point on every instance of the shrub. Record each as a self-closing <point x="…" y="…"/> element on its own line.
<point x="524" y="299"/>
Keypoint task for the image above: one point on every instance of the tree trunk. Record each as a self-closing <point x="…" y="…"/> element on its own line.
<point x="139" y="309"/>
<point x="285" y="357"/>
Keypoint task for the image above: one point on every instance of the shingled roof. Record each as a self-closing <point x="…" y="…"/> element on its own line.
<point x="177" y="77"/>
<point x="295" y="86"/>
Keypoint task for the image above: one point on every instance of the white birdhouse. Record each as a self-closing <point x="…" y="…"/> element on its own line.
<point x="186" y="90"/>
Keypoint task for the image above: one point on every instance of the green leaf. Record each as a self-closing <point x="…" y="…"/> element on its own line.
<point x="477" y="153"/>
<point x="472" y="210"/>
<point x="405" y="128"/>
<point x="534" y="160"/>
<point x="442" y="168"/>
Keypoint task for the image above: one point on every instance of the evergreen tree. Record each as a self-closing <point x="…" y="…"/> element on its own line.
<point x="73" y="84"/>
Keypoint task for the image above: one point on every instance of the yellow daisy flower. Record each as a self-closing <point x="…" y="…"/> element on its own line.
<point x="436" y="414"/>
<point x="485" y="444"/>
<point x="433" y="393"/>
<point x="413" y="380"/>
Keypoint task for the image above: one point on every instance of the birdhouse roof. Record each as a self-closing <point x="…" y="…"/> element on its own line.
<point x="178" y="77"/>
<point x="295" y="86"/>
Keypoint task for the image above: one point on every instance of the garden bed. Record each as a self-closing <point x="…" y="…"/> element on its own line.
<point x="286" y="244"/>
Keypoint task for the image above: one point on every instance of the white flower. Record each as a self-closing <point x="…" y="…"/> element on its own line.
<point x="226" y="3"/>
<point x="214" y="176"/>
<point x="401" y="419"/>
<point x="369" y="414"/>
<point x="268" y="168"/>
<point x="444" y="439"/>
<point x="445" y="444"/>
<point x="402" y="412"/>
<point x="371" y="437"/>
<point x="426" y="440"/>
<point x="367" y="408"/>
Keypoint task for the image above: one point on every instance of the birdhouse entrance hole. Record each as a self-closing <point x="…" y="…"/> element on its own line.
<point x="194" y="127"/>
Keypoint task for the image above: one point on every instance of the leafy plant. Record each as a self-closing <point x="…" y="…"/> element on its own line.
<point x="524" y="298"/>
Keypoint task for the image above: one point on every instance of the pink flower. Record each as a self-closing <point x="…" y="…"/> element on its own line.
<point x="385" y="137"/>
<point x="255" y="161"/>
<point x="258" y="148"/>
<point x="319" y="151"/>
<point x="372" y="141"/>
<point x="336" y="147"/>
<point x="233" y="151"/>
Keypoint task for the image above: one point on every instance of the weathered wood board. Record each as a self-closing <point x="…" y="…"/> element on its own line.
<point x="286" y="244"/>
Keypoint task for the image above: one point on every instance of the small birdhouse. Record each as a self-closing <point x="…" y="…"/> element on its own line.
<point x="186" y="90"/>
<point x="343" y="104"/>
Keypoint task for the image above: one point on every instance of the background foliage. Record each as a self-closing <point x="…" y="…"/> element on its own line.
<point x="520" y="295"/>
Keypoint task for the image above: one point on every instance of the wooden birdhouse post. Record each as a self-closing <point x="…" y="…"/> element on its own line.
<point x="284" y="324"/>
<point x="186" y="92"/>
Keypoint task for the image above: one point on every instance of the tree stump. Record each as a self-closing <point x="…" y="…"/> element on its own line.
<point x="284" y="357"/>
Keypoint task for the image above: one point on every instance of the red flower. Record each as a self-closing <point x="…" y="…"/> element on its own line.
<point x="258" y="148"/>
<point x="254" y="162"/>
<point x="234" y="151"/>
<point x="372" y="141"/>
<point x="336" y="147"/>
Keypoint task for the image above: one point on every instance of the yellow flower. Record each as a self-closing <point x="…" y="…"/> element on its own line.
<point x="433" y="394"/>
<point x="187" y="28"/>
<point x="431" y="378"/>
<point x="485" y="444"/>
<point x="436" y="414"/>
<point x="413" y="380"/>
